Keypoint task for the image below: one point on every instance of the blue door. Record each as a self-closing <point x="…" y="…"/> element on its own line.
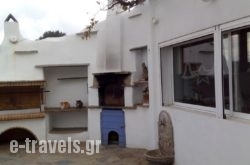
<point x="112" y="120"/>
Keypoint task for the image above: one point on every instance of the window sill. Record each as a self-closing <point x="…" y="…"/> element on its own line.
<point x="237" y="115"/>
<point x="192" y="109"/>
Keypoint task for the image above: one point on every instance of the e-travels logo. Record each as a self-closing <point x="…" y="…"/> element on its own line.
<point x="53" y="146"/>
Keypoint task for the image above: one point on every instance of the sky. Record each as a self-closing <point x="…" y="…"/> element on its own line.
<point x="37" y="16"/>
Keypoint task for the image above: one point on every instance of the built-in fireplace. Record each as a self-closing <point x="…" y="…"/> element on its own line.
<point x="111" y="98"/>
<point x="111" y="88"/>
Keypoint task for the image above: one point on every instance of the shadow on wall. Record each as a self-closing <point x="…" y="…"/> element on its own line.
<point x="19" y="134"/>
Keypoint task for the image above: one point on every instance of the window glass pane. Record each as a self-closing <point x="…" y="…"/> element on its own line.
<point x="248" y="47"/>
<point x="166" y="75"/>
<point x="241" y="73"/>
<point x="235" y="69"/>
<point x="225" y="64"/>
<point x="240" y="68"/>
<point x="164" y="70"/>
<point x="194" y="73"/>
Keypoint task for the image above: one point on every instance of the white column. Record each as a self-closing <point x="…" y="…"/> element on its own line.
<point x="218" y="73"/>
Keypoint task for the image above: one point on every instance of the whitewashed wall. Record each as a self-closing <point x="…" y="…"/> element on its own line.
<point x="200" y="138"/>
<point x="67" y="89"/>
<point x="136" y="32"/>
<point x="94" y="124"/>
<point x="68" y="50"/>
<point x="36" y="126"/>
<point x="177" y="18"/>
<point x="69" y="119"/>
<point x="15" y="66"/>
<point x="78" y="119"/>
<point x="138" y="127"/>
<point x="131" y="31"/>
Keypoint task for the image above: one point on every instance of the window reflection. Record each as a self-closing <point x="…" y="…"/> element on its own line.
<point x="225" y="61"/>
<point x="236" y="52"/>
<point x="194" y="73"/>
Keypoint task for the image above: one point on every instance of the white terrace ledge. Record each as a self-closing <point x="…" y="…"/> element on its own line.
<point x="61" y="65"/>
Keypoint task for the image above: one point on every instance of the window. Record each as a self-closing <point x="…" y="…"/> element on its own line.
<point x="193" y="68"/>
<point x="194" y="73"/>
<point x="236" y="69"/>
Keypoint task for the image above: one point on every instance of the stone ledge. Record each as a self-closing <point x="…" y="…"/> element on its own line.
<point x="58" y="109"/>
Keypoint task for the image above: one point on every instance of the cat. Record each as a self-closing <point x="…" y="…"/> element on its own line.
<point x="65" y="105"/>
<point x="79" y="104"/>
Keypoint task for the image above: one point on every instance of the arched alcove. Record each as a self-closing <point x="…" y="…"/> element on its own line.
<point x="113" y="137"/>
<point x="19" y="134"/>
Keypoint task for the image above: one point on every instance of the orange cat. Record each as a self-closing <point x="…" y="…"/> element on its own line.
<point x="65" y="105"/>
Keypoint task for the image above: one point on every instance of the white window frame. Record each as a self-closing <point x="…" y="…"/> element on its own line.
<point x="215" y="32"/>
<point x="231" y="26"/>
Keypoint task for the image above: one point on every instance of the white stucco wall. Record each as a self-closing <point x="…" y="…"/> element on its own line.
<point x="77" y="119"/>
<point x="36" y="126"/>
<point x="81" y="136"/>
<point x="66" y="89"/>
<point x="18" y="67"/>
<point x="177" y="18"/>
<point x="109" y="54"/>
<point x="69" y="119"/>
<point x="200" y="138"/>
<point x="138" y="128"/>
<point x="115" y="40"/>
<point x="25" y="60"/>
<point x="94" y="124"/>
<point x="67" y="50"/>
<point x="15" y="66"/>
<point x="136" y="32"/>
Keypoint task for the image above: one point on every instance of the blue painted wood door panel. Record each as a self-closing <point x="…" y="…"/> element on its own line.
<point x="113" y="120"/>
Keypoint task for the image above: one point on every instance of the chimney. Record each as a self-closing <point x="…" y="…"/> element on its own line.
<point x="11" y="30"/>
<point x="109" y="58"/>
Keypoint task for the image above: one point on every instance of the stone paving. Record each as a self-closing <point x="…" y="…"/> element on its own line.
<point x="109" y="155"/>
